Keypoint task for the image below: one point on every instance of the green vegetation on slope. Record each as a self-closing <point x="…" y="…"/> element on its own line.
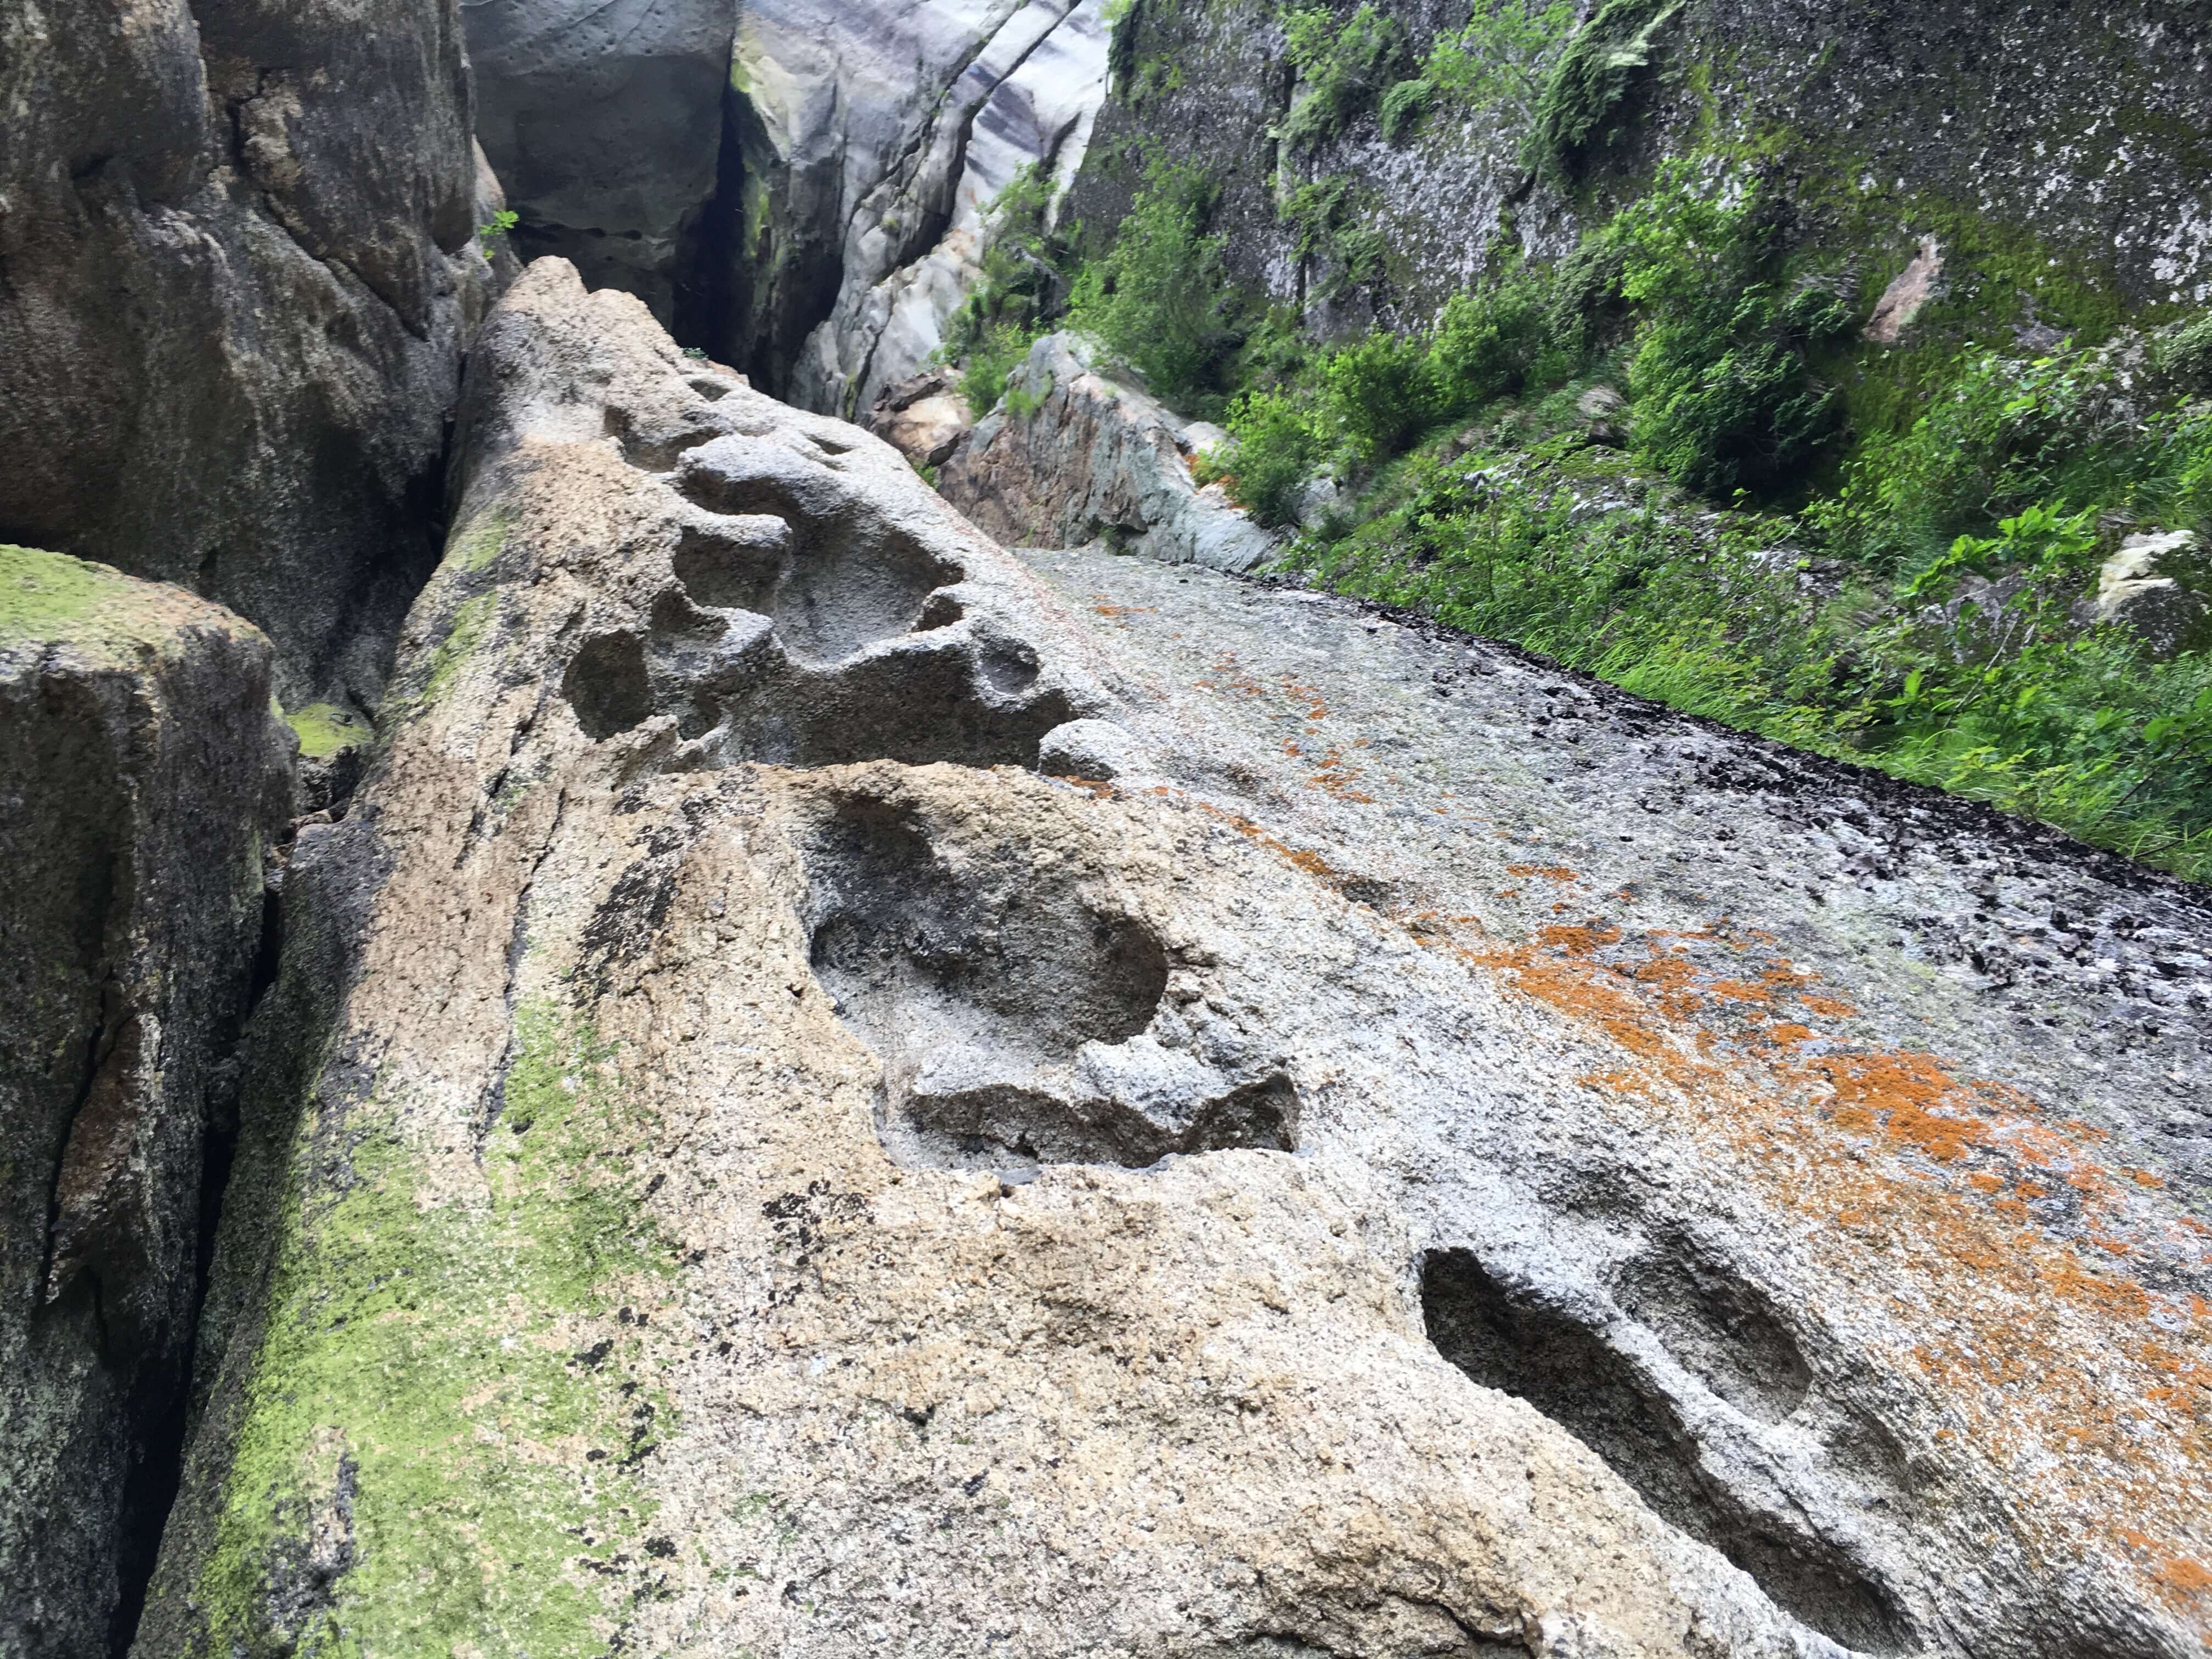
<point x="1670" y="460"/>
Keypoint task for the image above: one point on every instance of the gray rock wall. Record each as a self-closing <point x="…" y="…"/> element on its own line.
<point x="237" y="266"/>
<point x="866" y="139"/>
<point x="604" y="124"/>
<point x="2035" y="129"/>
<point x="144" y="788"/>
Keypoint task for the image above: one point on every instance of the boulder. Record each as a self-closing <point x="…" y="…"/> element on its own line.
<point x="144" y="791"/>
<point x="605" y="123"/>
<point x="1071" y="456"/>
<point x="846" y="1203"/>
<point x="2136" y="588"/>
<point x="923" y="418"/>
<point x="241" y="266"/>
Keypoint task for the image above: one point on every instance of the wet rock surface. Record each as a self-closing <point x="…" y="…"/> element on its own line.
<point x="765" y="1179"/>
<point x="1925" y="1047"/>
<point x="145" y="788"/>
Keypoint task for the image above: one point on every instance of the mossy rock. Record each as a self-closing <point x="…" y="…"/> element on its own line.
<point x="53" y="597"/>
<point x="325" y="730"/>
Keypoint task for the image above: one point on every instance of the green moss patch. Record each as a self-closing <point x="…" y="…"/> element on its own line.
<point x="325" y="729"/>
<point x="52" y="596"/>
<point x="471" y="619"/>
<point x="481" y="540"/>
<point x="445" y="1413"/>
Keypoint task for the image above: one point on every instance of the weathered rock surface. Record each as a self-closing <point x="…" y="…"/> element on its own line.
<point x="724" y="1215"/>
<point x="239" y="268"/>
<point x="1835" y="1159"/>
<point x="1885" y="126"/>
<point x="870" y="146"/>
<point x="144" y="787"/>
<point x="781" y="1176"/>
<point x="1074" y="456"/>
<point x="604" y="124"/>
<point x="2137" y="588"/>
<point x="923" y="418"/>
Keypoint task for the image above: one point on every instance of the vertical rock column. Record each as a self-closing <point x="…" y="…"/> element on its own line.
<point x="238" y="267"/>
<point x="143" y="782"/>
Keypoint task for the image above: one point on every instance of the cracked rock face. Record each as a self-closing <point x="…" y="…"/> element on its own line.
<point x="871" y="146"/>
<point x="779" y="1175"/>
<point x="143" y="785"/>
<point x="239" y="240"/>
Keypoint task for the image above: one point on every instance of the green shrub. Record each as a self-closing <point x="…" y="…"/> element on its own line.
<point x="2003" y="433"/>
<point x="990" y="358"/>
<point x="1160" y="299"/>
<point x="1499" y="62"/>
<point x="1331" y="222"/>
<point x="1273" y="448"/>
<point x="1379" y="394"/>
<point x="1486" y="346"/>
<point x="2075" y="726"/>
<point x="1723" y="397"/>
<point x="2182" y="352"/>
<point x="1343" y="67"/>
<point x="1025" y="276"/>
<point x="1403" y="107"/>
<point x="1592" y="75"/>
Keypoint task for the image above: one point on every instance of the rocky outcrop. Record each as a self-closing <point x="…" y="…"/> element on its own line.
<point x="870" y="145"/>
<point x="737" y="1225"/>
<point x="771" y="1171"/>
<point x="1070" y="456"/>
<point x="239" y="266"/>
<point x="923" y="418"/>
<point x="605" y="123"/>
<point x="1887" y="129"/>
<point x="143" y="789"/>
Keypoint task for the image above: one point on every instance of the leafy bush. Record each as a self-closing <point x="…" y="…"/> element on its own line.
<point x="1487" y="345"/>
<point x="2005" y="433"/>
<point x="1273" y="448"/>
<point x="1343" y="69"/>
<point x="1723" y="397"/>
<point x="1379" y="394"/>
<point x="1025" y="268"/>
<point x="1404" y="105"/>
<point x="1592" y="75"/>
<point x="990" y="358"/>
<point x="1499" y="62"/>
<point x="1330" y="224"/>
<point x="1160" y="299"/>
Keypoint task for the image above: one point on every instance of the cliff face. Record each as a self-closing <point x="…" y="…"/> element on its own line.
<point x="143" y="790"/>
<point x="816" y="224"/>
<point x="2020" y="136"/>
<point x="239" y="268"/>
<point x="868" y="148"/>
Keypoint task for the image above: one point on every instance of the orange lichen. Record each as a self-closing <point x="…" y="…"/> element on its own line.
<point x="2036" y="1350"/>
